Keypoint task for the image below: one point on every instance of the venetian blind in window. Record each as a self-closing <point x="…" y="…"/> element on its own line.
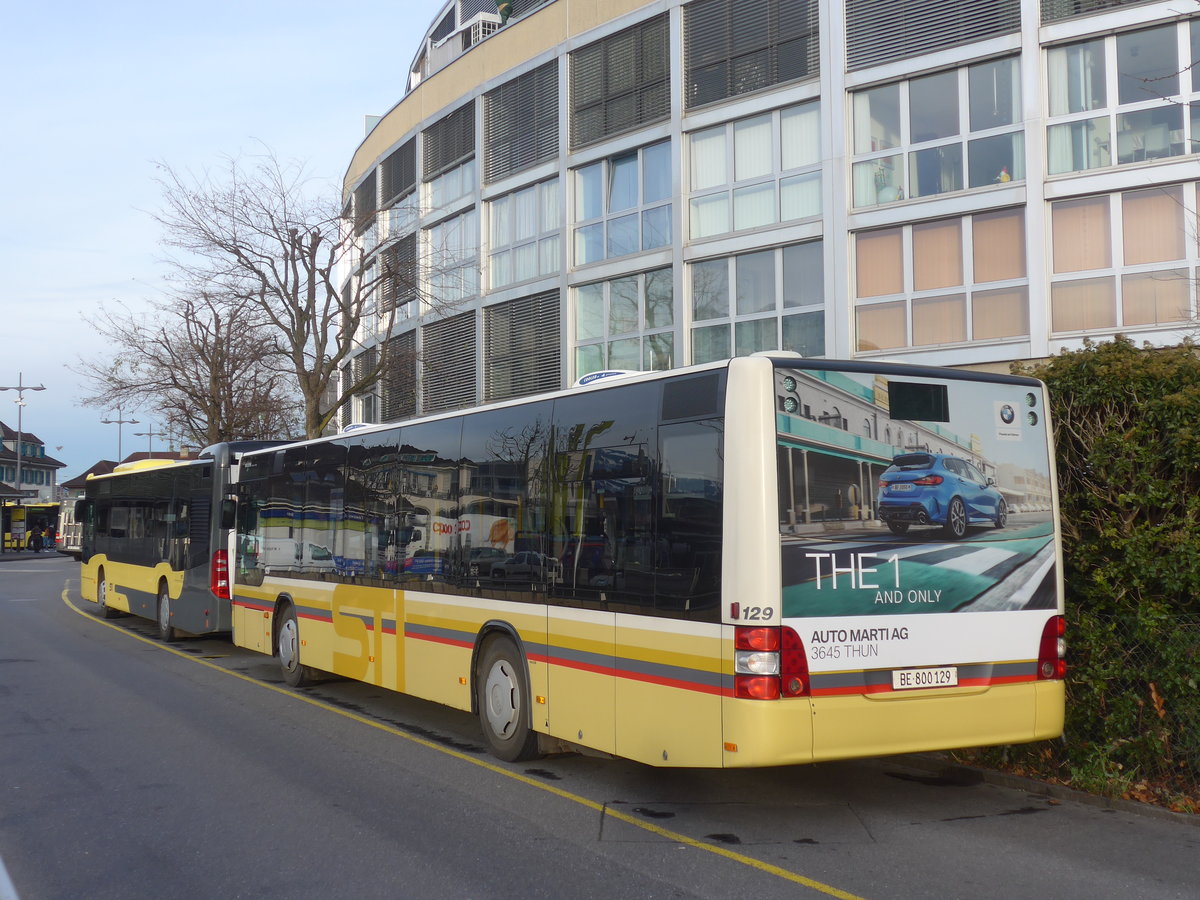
<point x="621" y="82"/>
<point x="364" y="204"/>
<point x="398" y="386"/>
<point x="398" y="171"/>
<point x="448" y="363"/>
<point x="521" y="347"/>
<point x="449" y="141"/>
<point x="363" y="364"/>
<point x="344" y="414"/>
<point x="520" y="122"/>
<point x="398" y="273"/>
<point x="879" y="31"/>
<point x="733" y="47"/>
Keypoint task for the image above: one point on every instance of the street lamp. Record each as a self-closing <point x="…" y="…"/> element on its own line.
<point x="149" y="436"/>
<point x="21" y="387"/>
<point x="118" y="421"/>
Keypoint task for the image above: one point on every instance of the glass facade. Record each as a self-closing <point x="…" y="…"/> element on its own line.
<point x="689" y="185"/>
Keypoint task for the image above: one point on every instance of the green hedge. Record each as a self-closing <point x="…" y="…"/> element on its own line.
<point x="1127" y="428"/>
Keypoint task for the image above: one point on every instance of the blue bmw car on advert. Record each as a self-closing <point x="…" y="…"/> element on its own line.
<point x="938" y="489"/>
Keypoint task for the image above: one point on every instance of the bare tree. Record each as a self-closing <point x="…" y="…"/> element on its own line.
<point x="259" y="236"/>
<point x="195" y="360"/>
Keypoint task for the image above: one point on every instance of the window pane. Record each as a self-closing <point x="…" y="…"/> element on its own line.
<point x="1076" y="77"/>
<point x="1153" y="225"/>
<point x="660" y="299"/>
<point x="755" y="274"/>
<point x="995" y="89"/>
<point x="754" y="206"/>
<point x="753" y="336"/>
<point x="1079" y="146"/>
<point x="589" y="244"/>
<point x="548" y="194"/>
<point x="656" y="172"/>
<point x="937" y="255"/>
<point x="935" y="171"/>
<point x="525" y="262"/>
<point x="501" y="222"/>
<point x="708" y="158"/>
<point x="525" y="214"/>
<point x="658" y="352"/>
<point x="622" y="182"/>
<point x="710" y="215"/>
<point x="882" y="326"/>
<point x="1147" y="64"/>
<point x="588" y="197"/>
<point x="878" y="181"/>
<point x="999" y="314"/>
<point x="589" y="359"/>
<point x="752" y="148"/>
<point x="710" y="290"/>
<point x="589" y="312"/>
<point x="622" y="305"/>
<point x="710" y="343"/>
<point x="800" y="136"/>
<point x="548" y="255"/>
<point x="1150" y="298"/>
<point x="623" y="235"/>
<point x="1084" y="304"/>
<point x="1082" y="236"/>
<point x="805" y="333"/>
<point x="879" y="265"/>
<point x="656" y="227"/>
<point x="939" y="320"/>
<point x="998" y="245"/>
<point x="803" y="275"/>
<point x="625" y="354"/>
<point x="800" y="197"/>
<point x="933" y="106"/>
<point x="996" y="160"/>
<point x="1149" y="134"/>
<point x="877" y="119"/>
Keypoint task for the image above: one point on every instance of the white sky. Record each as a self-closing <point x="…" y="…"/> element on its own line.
<point x="92" y="95"/>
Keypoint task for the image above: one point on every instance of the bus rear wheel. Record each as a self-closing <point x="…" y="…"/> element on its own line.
<point x="502" y="692"/>
<point x="166" y="631"/>
<point x="287" y="649"/>
<point x="106" y="611"/>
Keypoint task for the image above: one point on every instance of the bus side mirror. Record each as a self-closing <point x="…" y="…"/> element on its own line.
<point x="228" y="514"/>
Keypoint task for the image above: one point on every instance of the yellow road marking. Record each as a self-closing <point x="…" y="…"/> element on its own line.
<point x="601" y="808"/>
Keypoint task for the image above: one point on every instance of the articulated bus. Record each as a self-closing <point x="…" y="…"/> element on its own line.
<point x="769" y="560"/>
<point x="154" y="540"/>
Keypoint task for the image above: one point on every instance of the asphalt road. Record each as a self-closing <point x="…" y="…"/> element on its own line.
<point x="129" y="768"/>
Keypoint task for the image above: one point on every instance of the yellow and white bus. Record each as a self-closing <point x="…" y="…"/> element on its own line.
<point x="154" y="540"/>
<point x="765" y="561"/>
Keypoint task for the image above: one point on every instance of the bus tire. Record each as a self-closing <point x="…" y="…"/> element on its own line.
<point x="502" y="692"/>
<point x="956" y="519"/>
<point x="106" y="611"/>
<point x="287" y="649"/>
<point x="166" y="631"/>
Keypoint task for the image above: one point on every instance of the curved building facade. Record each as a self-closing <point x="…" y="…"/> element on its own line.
<point x="647" y="185"/>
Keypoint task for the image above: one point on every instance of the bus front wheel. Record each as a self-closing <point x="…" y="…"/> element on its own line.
<point x="287" y="644"/>
<point x="503" y="699"/>
<point x="166" y="631"/>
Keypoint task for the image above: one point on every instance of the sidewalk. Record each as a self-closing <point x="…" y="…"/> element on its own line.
<point x="9" y="555"/>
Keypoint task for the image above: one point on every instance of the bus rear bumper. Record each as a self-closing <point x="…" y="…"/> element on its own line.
<point x="804" y="730"/>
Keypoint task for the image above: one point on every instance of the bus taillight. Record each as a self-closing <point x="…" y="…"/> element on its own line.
<point x="769" y="663"/>
<point x="1052" y="661"/>
<point x="219" y="575"/>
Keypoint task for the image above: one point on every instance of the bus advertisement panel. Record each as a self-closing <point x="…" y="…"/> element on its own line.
<point x="918" y="552"/>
